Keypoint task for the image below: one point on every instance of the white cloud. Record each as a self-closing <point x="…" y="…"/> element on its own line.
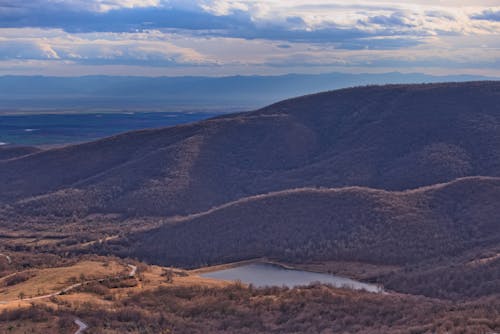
<point x="104" y="5"/>
<point x="33" y="44"/>
<point x="421" y="16"/>
<point x="248" y="35"/>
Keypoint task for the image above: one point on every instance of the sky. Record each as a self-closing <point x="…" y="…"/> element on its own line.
<point x="247" y="37"/>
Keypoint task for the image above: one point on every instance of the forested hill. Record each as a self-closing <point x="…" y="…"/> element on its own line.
<point x="391" y="137"/>
<point x="350" y="224"/>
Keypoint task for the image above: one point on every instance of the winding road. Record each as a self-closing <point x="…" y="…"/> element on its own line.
<point x="53" y="294"/>
<point x="81" y="326"/>
<point x="132" y="273"/>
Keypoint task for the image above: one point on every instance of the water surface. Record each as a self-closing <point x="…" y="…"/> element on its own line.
<point x="265" y="274"/>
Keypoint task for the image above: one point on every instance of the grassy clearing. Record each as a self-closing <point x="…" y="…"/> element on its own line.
<point x="43" y="282"/>
<point x="46" y="281"/>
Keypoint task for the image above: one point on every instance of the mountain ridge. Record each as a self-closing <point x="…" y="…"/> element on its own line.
<point x="346" y="224"/>
<point x="389" y="137"/>
<point x="346" y="189"/>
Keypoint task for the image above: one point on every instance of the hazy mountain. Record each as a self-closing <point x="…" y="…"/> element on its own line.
<point x="388" y="137"/>
<point x="173" y="93"/>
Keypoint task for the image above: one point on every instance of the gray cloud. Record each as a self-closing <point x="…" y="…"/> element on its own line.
<point x="73" y="17"/>
<point x="488" y="15"/>
<point x="396" y="19"/>
<point x="118" y="20"/>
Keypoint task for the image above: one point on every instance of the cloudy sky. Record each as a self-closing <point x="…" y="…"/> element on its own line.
<point x="227" y="37"/>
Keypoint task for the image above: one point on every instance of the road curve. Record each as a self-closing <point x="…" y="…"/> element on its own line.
<point x="9" y="260"/>
<point x="57" y="293"/>
<point x="133" y="270"/>
<point x="82" y="327"/>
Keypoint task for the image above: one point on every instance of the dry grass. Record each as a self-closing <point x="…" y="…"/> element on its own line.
<point x="188" y="293"/>
<point x="47" y="281"/>
<point x="14" y="305"/>
<point x="77" y="299"/>
<point x="152" y="278"/>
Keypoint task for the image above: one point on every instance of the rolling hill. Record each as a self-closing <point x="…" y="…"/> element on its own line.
<point x="10" y="152"/>
<point x="393" y="137"/>
<point x="347" y="224"/>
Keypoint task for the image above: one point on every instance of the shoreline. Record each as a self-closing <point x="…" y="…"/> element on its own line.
<point x="358" y="271"/>
<point x="378" y="288"/>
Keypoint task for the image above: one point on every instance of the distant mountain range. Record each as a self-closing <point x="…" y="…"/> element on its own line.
<point x="38" y="93"/>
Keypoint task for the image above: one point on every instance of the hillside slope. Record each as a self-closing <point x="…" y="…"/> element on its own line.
<point x="10" y="152"/>
<point x="350" y="224"/>
<point x="388" y="137"/>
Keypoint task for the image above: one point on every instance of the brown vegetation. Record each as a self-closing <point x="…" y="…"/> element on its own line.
<point x="315" y="179"/>
<point x="16" y="278"/>
<point x="391" y="137"/>
<point x="10" y="152"/>
<point x="352" y="224"/>
<point x="447" y="279"/>
<point x="314" y="309"/>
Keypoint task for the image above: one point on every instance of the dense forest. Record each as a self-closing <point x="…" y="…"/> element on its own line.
<point x="448" y="278"/>
<point x="351" y="224"/>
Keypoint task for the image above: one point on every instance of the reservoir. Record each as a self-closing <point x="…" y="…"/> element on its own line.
<point x="266" y="274"/>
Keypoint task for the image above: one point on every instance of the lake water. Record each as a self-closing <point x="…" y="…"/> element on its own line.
<point x="50" y="129"/>
<point x="265" y="274"/>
